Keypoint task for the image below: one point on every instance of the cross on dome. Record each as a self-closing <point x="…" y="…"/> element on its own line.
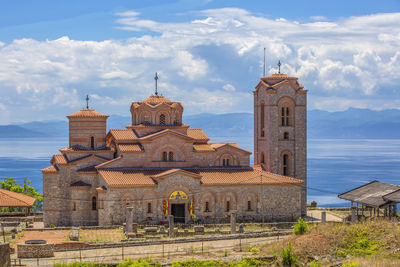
<point x="87" y="101"/>
<point x="279" y="67"/>
<point x="156" y="79"/>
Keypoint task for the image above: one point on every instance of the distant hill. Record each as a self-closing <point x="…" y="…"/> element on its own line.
<point x="352" y="123"/>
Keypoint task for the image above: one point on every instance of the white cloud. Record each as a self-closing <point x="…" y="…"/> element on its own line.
<point x="347" y="62"/>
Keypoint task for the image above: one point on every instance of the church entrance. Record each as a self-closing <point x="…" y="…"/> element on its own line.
<point x="178" y="210"/>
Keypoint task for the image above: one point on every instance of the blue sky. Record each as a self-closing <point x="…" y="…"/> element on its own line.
<point x="208" y="53"/>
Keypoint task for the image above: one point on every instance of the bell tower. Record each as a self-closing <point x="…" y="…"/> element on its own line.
<point x="280" y="128"/>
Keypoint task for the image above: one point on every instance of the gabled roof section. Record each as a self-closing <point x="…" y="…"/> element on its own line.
<point x="13" y="199"/>
<point x="87" y="113"/>
<point x="163" y="132"/>
<point x="88" y="169"/>
<point x="78" y="148"/>
<point x="154" y="101"/>
<point x="126" y="178"/>
<point x="123" y="135"/>
<point x="175" y="171"/>
<point x="371" y="194"/>
<point x="393" y="197"/>
<point x="203" y="148"/>
<point x="107" y="163"/>
<point x="274" y="81"/>
<point x="198" y="134"/>
<point x="50" y="169"/>
<point x="58" y="159"/>
<point x="130" y="147"/>
<point x="217" y="146"/>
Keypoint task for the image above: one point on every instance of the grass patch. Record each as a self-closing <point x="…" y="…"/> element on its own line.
<point x="101" y="235"/>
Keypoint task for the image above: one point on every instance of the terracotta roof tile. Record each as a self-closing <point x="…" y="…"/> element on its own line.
<point x="212" y="176"/>
<point x="78" y="148"/>
<point x="51" y="169"/>
<point x="123" y="135"/>
<point x="59" y="159"/>
<point x="156" y="99"/>
<point x="203" y="147"/>
<point x="136" y="147"/>
<point x="171" y="171"/>
<point x="87" y="113"/>
<point x="13" y="199"/>
<point x="198" y="134"/>
<point x="127" y="178"/>
<point x="163" y="132"/>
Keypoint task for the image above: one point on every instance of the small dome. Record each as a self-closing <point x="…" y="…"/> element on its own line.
<point x="87" y="113"/>
<point x="156" y="99"/>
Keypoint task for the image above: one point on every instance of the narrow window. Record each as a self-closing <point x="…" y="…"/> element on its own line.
<point x="285" y="164"/>
<point x="94" y="203"/>
<point x="149" y="207"/>
<point x="171" y="156"/>
<point x="286" y="135"/>
<point x="165" y="156"/>
<point x="249" y="205"/>
<point x="207" y="209"/>
<point x="262" y="120"/>
<point x="92" y="142"/>
<point x="283" y="116"/>
<point x="162" y="119"/>
<point x="228" y="205"/>
<point x="74" y="206"/>
<point x="287" y="116"/>
<point x="262" y="158"/>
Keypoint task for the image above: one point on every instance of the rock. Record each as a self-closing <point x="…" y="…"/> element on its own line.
<point x="74" y="234"/>
<point x="162" y="230"/>
<point x="150" y="229"/>
<point x="199" y="229"/>
<point x="241" y="228"/>
<point x="217" y="230"/>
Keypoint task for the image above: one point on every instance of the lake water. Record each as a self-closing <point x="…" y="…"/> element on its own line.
<point x="334" y="165"/>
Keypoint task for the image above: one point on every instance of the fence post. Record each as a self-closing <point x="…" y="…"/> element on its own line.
<point x="80" y="254"/>
<point x="163" y="249"/>
<point x="202" y="246"/>
<point x="171" y="225"/>
<point x="240" y="244"/>
<point x="233" y="222"/>
<point x="353" y="214"/>
<point x="323" y="217"/>
<point x="122" y="248"/>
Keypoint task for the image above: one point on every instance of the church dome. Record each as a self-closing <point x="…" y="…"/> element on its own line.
<point x="156" y="99"/>
<point x="87" y="113"/>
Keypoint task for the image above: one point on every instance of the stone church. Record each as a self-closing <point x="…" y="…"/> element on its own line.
<point x="161" y="166"/>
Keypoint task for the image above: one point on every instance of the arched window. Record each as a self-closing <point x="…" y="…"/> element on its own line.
<point x="162" y="119"/>
<point x="92" y="142"/>
<point x="207" y="208"/>
<point x="249" y="205"/>
<point x="285" y="116"/>
<point x="262" y="160"/>
<point x="149" y="207"/>
<point x="285" y="165"/>
<point x="165" y="156"/>
<point x="73" y="206"/>
<point x="94" y="203"/>
<point x="262" y="120"/>
<point x="225" y="162"/>
<point x="286" y="135"/>
<point x="228" y="206"/>
<point x="171" y="156"/>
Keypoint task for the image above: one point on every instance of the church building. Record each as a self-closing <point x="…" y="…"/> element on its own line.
<point x="161" y="166"/>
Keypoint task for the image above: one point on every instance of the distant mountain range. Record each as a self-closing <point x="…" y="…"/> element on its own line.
<point x="352" y="123"/>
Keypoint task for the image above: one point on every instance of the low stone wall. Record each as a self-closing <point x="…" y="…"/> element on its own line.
<point x="5" y="255"/>
<point x="35" y="250"/>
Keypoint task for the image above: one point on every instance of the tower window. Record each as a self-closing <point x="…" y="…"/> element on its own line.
<point x="73" y="206"/>
<point x="262" y="158"/>
<point x="285" y="116"/>
<point x="207" y="208"/>
<point x="171" y="156"/>
<point x="262" y="120"/>
<point x="149" y="207"/>
<point x="285" y="167"/>
<point x="228" y="206"/>
<point x="286" y="135"/>
<point x="92" y="142"/>
<point x="249" y="205"/>
<point x="162" y="119"/>
<point x="165" y="156"/>
<point x="94" y="203"/>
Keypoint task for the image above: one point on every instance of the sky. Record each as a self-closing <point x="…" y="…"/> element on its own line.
<point x="208" y="53"/>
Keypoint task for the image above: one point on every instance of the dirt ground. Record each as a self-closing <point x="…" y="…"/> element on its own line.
<point x="55" y="236"/>
<point x="221" y="249"/>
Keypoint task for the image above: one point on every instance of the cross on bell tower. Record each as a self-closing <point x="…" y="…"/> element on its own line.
<point x="87" y="101"/>
<point x="155" y="80"/>
<point x="279" y="67"/>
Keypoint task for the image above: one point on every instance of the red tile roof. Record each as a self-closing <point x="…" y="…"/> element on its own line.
<point x="59" y="159"/>
<point x="136" y="147"/>
<point x="198" y="135"/>
<point x="123" y="135"/>
<point x="87" y="113"/>
<point x="13" y="199"/>
<point x="203" y="147"/>
<point x="50" y="169"/>
<point x="222" y="176"/>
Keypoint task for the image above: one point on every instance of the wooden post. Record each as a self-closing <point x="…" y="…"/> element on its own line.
<point x="122" y="248"/>
<point x="80" y="254"/>
<point x="353" y="214"/>
<point x="323" y="217"/>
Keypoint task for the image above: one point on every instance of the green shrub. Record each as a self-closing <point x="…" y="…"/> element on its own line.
<point x="289" y="258"/>
<point x="301" y="227"/>
<point x="315" y="263"/>
<point x="358" y="243"/>
<point x="80" y="264"/>
<point x="138" y="263"/>
<point x="52" y="226"/>
<point x="351" y="264"/>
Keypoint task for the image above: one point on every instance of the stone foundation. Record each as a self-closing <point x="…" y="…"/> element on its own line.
<point x="35" y="250"/>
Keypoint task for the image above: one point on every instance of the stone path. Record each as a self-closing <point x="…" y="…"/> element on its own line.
<point x="174" y="252"/>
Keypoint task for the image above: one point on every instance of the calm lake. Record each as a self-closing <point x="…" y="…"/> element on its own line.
<point x="334" y="165"/>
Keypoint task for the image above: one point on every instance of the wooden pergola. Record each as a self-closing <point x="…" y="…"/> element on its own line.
<point x="375" y="196"/>
<point x="17" y="200"/>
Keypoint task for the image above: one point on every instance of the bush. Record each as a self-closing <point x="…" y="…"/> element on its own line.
<point x="52" y="226"/>
<point x="138" y="263"/>
<point x="315" y="263"/>
<point x="80" y="264"/>
<point x="301" y="227"/>
<point x="289" y="258"/>
<point x="358" y="244"/>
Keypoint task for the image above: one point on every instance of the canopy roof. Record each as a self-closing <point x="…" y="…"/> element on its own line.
<point x="13" y="199"/>
<point x="373" y="194"/>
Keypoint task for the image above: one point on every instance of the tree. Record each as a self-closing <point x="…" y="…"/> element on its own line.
<point x="11" y="184"/>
